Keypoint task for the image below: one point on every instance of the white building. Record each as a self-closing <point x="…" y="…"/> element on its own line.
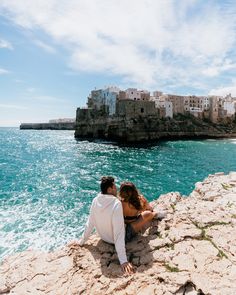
<point x="206" y="103"/>
<point x="157" y="93"/>
<point x="229" y="104"/>
<point x="110" y="96"/>
<point x="196" y="104"/>
<point x="162" y="102"/>
<point x="104" y="97"/>
<point x="134" y="94"/>
<point x="196" y="112"/>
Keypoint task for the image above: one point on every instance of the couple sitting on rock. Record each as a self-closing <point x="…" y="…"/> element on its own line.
<point x="117" y="220"/>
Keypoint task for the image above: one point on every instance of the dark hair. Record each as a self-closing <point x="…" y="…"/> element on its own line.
<point x="106" y="182"/>
<point x="130" y="194"/>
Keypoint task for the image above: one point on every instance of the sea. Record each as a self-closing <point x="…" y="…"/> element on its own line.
<point x="48" y="179"/>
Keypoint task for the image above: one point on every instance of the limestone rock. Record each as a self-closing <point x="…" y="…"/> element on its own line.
<point x="191" y="251"/>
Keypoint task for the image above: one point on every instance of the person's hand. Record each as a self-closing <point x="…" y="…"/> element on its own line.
<point x="127" y="268"/>
<point x="74" y="244"/>
<point x="145" y="204"/>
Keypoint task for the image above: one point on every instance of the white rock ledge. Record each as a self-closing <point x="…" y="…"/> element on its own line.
<point x="192" y="251"/>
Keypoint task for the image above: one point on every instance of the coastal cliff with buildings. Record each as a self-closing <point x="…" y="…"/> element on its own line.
<point x="133" y="116"/>
<point x="191" y="251"/>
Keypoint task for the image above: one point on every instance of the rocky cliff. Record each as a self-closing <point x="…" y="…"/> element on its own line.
<point x="149" y="128"/>
<point x="192" y="251"/>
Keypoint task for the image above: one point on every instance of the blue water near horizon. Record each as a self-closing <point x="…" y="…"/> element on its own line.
<point x="48" y="179"/>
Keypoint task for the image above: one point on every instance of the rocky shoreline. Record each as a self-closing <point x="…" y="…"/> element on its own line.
<point x="192" y="251"/>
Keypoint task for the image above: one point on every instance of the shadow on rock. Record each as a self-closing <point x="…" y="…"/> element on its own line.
<point x="103" y="255"/>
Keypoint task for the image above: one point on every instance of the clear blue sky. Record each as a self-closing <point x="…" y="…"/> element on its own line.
<point x="54" y="52"/>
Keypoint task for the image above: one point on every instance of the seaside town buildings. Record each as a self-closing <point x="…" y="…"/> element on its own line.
<point x="133" y="102"/>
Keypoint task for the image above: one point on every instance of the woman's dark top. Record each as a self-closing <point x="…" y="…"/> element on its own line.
<point x="131" y="217"/>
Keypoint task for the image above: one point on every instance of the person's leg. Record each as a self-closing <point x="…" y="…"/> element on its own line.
<point x="143" y="221"/>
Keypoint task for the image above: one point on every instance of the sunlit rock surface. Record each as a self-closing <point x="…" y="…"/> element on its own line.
<point x="192" y="251"/>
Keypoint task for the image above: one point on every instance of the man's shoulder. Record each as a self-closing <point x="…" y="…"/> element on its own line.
<point x="111" y="197"/>
<point x="117" y="202"/>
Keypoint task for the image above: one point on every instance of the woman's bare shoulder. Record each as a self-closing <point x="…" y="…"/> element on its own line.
<point x="128" y="209"/>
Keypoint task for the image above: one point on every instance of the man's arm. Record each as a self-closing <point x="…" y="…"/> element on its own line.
<point x="88" y="227"/>
<point x="119" y="238"/>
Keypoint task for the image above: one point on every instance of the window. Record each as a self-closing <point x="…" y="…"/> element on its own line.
<point x="142" y="110"/>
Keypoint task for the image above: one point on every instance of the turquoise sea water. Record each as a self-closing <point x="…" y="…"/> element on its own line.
<point x="48" y="179"/>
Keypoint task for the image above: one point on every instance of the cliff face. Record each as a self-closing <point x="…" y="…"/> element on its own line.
<point x="192" y="251"/>
<point x="149" y="128"/>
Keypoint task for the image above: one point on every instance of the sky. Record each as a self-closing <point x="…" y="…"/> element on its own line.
<point x="54" y="52"/>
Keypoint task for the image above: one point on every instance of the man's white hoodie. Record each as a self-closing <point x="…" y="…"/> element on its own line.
<point x="106" y="216"/>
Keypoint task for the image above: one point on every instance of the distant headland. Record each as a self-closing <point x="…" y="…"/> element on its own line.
<point x="136" y="116"/>
<point x="57" y="124"/>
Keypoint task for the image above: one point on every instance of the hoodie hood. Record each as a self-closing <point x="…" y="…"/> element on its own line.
<point x="104" y="200"/>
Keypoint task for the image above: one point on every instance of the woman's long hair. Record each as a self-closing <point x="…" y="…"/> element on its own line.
<point x="129" y="193"/>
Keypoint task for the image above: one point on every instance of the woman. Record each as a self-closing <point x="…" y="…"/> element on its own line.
<point x="137" y="211"/>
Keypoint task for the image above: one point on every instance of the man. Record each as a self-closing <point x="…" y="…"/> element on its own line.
<point x="106" y="216"/>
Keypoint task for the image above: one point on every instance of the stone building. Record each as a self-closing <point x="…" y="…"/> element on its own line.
<point x="197" y="106"/>
<point x="163" y="103"/>
<point x="177" y="103"/>
<point x="214" y="108"/>
<point x="111" y="101"/>
<point x="131" y="109"/>
<point x="222" y="108"/>
<point x="96" y="99"/>
<point x="157" y="93"/>
<point x="134" y="94"/>
<point x="218" y="109"/>
<point x="121" y="95"/>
